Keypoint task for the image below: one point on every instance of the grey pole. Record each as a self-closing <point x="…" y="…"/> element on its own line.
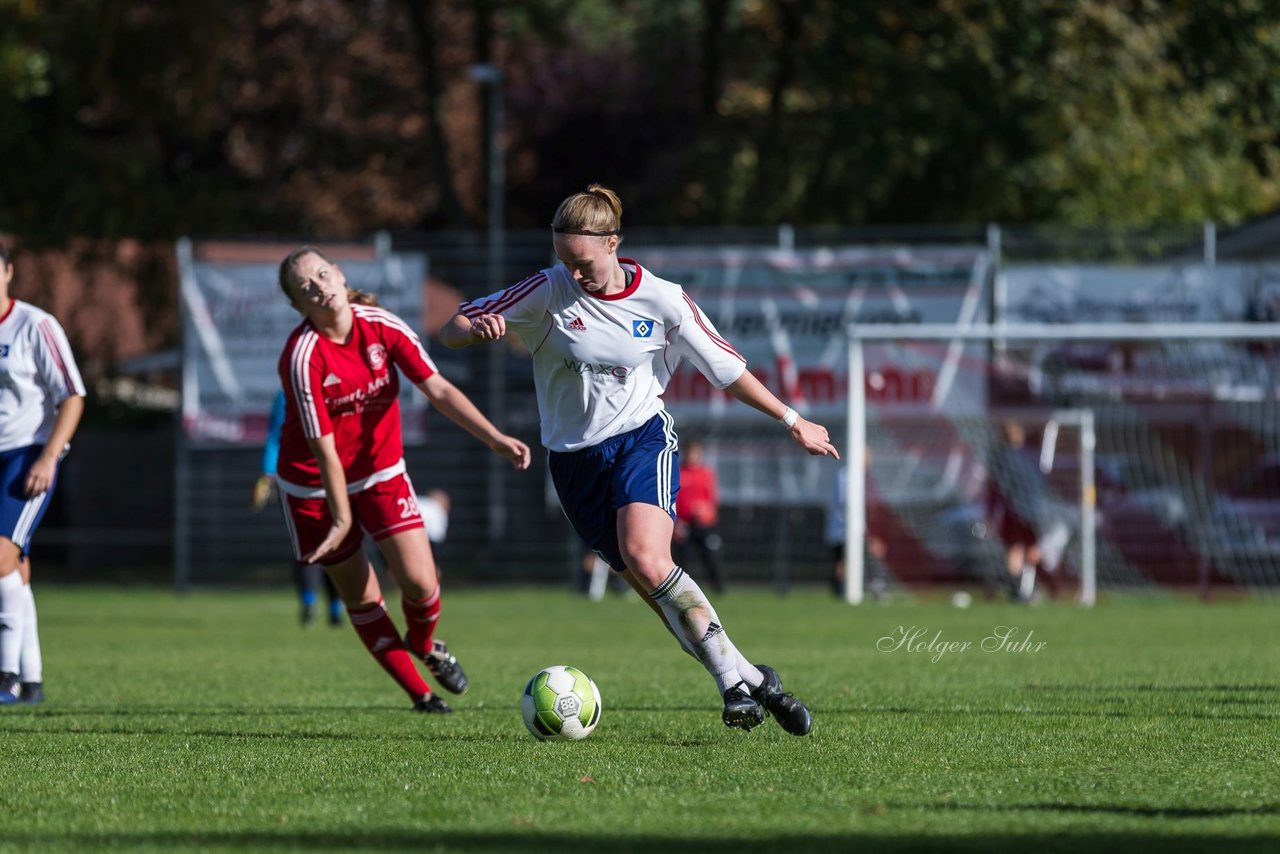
<point x="182" y="462"/>
<point x="491" y="76"/>
<point x="855" y="509"/>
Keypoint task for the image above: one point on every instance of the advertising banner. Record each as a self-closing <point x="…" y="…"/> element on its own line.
<point x="1098" y="293"/>
<point x="786" y="311"/>
<point x="1084" y="294"/>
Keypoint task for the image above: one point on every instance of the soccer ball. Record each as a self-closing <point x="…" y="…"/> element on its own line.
<point x="560" y="703"/>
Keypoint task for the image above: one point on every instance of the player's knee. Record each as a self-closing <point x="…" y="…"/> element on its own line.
<point x="10" y="556"/>
<point x="418" y="586"/>
<point x="653" y="566"/>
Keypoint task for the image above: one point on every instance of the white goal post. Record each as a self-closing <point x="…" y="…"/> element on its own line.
<point x="1212" y="368"/>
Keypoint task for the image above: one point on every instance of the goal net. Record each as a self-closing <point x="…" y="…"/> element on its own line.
<point x="1081" y="459"/>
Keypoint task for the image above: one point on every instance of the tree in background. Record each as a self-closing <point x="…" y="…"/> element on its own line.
<point x="1142" y="124"/>
<point x="336" y="117"/>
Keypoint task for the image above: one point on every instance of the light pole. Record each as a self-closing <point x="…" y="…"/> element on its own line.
<point x="491" y="77"/>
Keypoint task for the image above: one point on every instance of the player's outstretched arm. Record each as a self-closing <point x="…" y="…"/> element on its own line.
<point x="459" y="409"/>
<point x="462" y="331"/>
<point x="807" y="434"/>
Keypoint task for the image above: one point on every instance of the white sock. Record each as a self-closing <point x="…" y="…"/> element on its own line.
<point x="697" y="626"/>
<point x="32" y="665"/>
<point x="1027" y="583"/>
<point x="753" y="677"/>
<point x="12" y="606"/>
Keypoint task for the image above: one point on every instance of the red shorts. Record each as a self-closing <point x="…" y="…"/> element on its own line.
<point x="380" y="510"/>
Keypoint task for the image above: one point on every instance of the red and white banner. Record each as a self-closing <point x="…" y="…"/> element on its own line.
<point x="786" y="311"/>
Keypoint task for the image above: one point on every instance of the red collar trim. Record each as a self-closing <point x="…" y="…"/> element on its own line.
<point x="12" y="302"/>
<point x="635" y="283"/>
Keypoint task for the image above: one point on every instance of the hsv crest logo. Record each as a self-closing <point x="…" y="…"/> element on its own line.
<point x="576" y="325"/>
<point x="377" y="356"/>
<point x="641" y="328"/>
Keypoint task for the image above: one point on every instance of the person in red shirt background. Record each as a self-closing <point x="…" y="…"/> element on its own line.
<point x="341" y="471"/>
<point x="697" y="512"/>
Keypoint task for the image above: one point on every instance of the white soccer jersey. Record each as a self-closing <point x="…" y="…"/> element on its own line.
<point x="601" y="362"/>
<point x="37" y="373"/>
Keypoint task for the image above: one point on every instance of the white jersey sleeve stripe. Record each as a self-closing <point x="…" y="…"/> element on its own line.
<point x="302" y="391"/>
<point x="716" y="339"/>
<point x="60" y="352"/>
<point x="505" y="299"/>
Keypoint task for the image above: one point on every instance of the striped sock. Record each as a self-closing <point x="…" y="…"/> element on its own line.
<point x="697" y="626"/>
<point x="421" y="615"/>
<point x="380" y="637"/>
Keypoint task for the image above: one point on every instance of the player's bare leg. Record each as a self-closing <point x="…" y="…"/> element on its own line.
<point x="356" y="582"/>
<point x="413" y="566"/>
<point x="644" y="538"/>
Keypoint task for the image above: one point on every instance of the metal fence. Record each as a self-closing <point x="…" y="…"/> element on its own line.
<point x="113" y="517"/>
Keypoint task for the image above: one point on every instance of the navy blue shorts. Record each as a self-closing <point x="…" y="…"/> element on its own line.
<point x="641" y="466"/>
<point x="19" y="515"/>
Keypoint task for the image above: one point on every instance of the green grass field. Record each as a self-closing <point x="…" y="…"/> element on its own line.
<point x="213" y="722"/>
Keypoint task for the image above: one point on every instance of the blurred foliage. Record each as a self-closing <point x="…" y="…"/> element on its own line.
<point x="150" y="118"/>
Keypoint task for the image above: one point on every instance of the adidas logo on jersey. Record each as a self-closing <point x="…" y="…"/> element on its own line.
<point x="576" y="325"/>
<point x="332" y="379"/>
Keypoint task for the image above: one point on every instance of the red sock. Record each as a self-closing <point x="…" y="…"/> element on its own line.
<point x="422" y="615"/>
<point x="379" y="634"/>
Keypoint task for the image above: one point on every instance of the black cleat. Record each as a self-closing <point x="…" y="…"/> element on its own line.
<point x="432" y="705"/>
<point x="791" y="714"/>
<point x="741" y="709"/>
<point x="10" y="689"/>
<point x="32" y="693"/>
<point x="446" y="669"/>
<point x="307" y="616"/>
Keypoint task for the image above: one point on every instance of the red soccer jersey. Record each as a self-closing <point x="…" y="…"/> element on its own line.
<point x="698" y="497"/>
<point x="348" y="390"/>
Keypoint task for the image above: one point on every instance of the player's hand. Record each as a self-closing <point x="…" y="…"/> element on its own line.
<point x="813" y="438"/>
<point x="264" y="489"/>
<point x="511" y="448"/>
<point x="330" y="543"/>
<point x="488" y="327"/>
<point x="40" y="476"/>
